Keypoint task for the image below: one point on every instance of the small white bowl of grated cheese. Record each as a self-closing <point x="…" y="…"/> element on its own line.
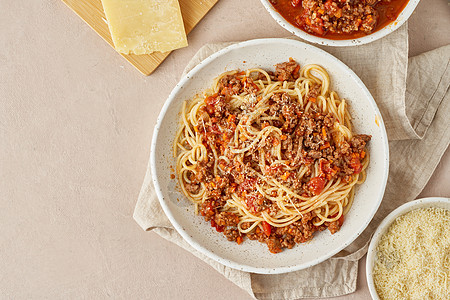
<point x="409" y="255"/>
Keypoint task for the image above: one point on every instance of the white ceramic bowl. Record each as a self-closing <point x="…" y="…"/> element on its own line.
<point x="402" y="17"/>
<point x="253" y="256"/>
<point x="384" y="226"/>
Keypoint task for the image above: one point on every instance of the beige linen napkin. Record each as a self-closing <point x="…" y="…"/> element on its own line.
<point x="414" y="99"/>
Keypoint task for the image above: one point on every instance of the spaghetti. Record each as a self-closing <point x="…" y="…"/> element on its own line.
<point x="270" y="155"/>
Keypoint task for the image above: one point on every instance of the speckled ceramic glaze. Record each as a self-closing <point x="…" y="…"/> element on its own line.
<point x="384" y="226"/>
<point x="253" y="256"/>
<point x="402" y="17"/>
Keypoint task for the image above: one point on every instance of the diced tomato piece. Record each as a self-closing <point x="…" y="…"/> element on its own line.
<point x="296" y="73"/>
<point x="341" y="220"/>
<point x="324" y="167"/>
<point x="355" y="164"/>
<point x="316" y="185"/>
<point x="328" y="4"/>
<point x="210" y="109"/>
<point x="227" y="92"/>
<point x="211" y="100"/>
<point x="308" y="21"/>
<point x="250" y="204"/>
<point x="231" y="118"/>
<point x="248" y="184"/>
<point x="317" y="29"/>
<point x="218" y="227"/>
<point x="319" y="22"/>
<point x="249" y="82"/>
<point x="208" y="210"/>
<point x="266" y="228"/>
<point x="325" y="146"/>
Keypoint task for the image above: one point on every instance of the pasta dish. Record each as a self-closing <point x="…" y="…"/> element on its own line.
<point x="270" y="156"/>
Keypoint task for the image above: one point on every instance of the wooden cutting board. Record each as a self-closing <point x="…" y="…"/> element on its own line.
<point x="91" y="11"/>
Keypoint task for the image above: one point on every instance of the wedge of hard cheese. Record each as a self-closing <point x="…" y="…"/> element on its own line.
<point x="145" y="26"/>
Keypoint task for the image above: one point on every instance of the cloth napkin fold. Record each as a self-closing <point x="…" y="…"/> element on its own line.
<point x="414" y="99"/>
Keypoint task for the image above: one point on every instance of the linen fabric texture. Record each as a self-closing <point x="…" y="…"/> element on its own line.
<point x="414" y="99"/>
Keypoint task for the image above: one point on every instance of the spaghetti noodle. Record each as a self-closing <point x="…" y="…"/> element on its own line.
<point x="270" y="155"/>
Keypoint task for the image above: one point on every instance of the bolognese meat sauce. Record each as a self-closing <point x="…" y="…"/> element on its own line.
<point x="305" y="140"/>
<point x="339" y="19"/>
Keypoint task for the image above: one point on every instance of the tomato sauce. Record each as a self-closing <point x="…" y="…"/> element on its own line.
<point x="294" y="13"/>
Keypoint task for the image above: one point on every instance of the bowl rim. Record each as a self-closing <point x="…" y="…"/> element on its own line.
<point x="391" y="27"/>
<point x="179" y="228"/>
<point x="384" y="226"/>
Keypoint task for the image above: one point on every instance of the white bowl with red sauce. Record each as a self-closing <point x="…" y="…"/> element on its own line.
<point x="252" y="256"/>
<point x="372" y="253"/>
<point x="385" y="27"/>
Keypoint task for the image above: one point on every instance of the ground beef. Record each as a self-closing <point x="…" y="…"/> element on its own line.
<point x="252" y="236"/>
<point x="289" y="109"/>
<point x="192" y="188"/>
<point x="274" y="245"/>
<point x="344" y="16"/>
<point x="314" y="153"/>
<point x="306" y="218"/>
<point x="230" y="81"/>
<point x="328" y="121"/>
<point x="343" y="150"/>
<point x="232" y="234"/>
<point x="249" y="86"/>
<point x="226" y="219"/>
<point x="287" y="242"/>
<point x="274" y="108"/>
<point x="359" y="141"/>
<point x="286" y="237"/>
<point x="313" y="92"/>
<point x="334" y="227"/>
<point x="287" y="71"/>
<point x="207" y="211"/>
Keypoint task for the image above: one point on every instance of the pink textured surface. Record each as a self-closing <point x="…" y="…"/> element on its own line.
<point x="75" y="127"/>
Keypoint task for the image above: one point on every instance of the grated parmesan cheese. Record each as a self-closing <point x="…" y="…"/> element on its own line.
<point x="413" y="257"/>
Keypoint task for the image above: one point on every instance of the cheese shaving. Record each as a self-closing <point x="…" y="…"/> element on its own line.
<point x="413" y="257"/>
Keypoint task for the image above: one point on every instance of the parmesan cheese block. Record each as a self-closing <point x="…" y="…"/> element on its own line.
<point x="413" y="257"/>
<point x="145" y="26"/>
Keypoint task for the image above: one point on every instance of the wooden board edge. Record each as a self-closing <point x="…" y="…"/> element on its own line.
<point x="133" y="59"/>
